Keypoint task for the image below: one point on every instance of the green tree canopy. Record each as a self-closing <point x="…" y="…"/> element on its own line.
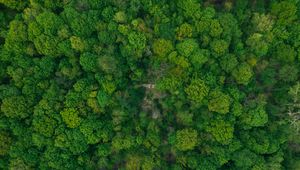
<point x="186" y="139"/>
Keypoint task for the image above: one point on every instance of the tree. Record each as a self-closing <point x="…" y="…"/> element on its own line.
<point x="14" y="4"/>
<point x="15" y="107"/>
<point x="268" y="77"/>
<point x="94" y="130"/>
<point x="43" y="32"/>
<point x="244" y="158"/>
<point x="190" y="8"/>
<point x="44" y="125"/>
<point x="133" y="162"/>
<point x="218" y="102"/>
<point x="148" y="163"/>
<point x="162" y="47"/>
<point x="285" y="53"/>
<point x="180" y="61"/>
<point x="187" y="47"/>
<point x="197" y="90"/>
<point x="199" y="57"/>
<point x="103" y="98"/>
<point x="103" y="150"/>
<point x="186" y="139"/>
<point x="5" y="143"/>
<point x="184" y="118"/>
<point x="184" y="31"/>
<point x="260" y="142"/>
<point x="255" y="117"/>
<point x="108" y="64"/>
<point x="242" y="74"/>
<point x="81" y="24"/>
<point x="16" y="36"/>
<point x="219" y="47"/>
<point x="222" y="131"/>
<point x="262" y="22"/>
<point x="120" y="17"/>
<point x="170" y="83"/>
<point x="122" y="142"/>
<point x="46" y="45"/>
<point x="137" y="40"/>
<point x="285" y="12"/>
<point x="72" y="140"/>
<point x="228" y="62"/>
<point x="49" y="22"/>
<point x="78" y="44"/>
<point x="18" y="163"/>
<point x="258" y="44"/>
<point x="88" y="62"/>
<point x="215" y="28"/>
<point x="289" y="70"/>
<point x="44" y="68"/>
<point x="153" y="137"/>
<point x="70" y="117"/>
<point x="54" y="157"/>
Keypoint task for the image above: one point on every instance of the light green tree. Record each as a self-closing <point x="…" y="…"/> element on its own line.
<point x="218" y="102"/>
<point x="197" y="90"/>
<point x="70" y="117"/>
<point x="242" y="73"/>
<point x="186" y="139"/>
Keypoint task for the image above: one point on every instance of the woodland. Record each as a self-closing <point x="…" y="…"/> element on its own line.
<point x="150" y="84"/>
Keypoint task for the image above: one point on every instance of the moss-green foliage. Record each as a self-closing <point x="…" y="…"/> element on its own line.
<point x="186" y="47"/>
<point x="186" y="139"/>
<point x="15" y="107"/>
<point x="197" y="90"/>
<point x="149" y="84"/>
<point x="70" y="117"/>
<point x="219" y="102"/>
<point x="242" y="73"/>
<point x="162" y="47"/>
<point x="5" y="143"/>
<point x="222" y="131"/>
<point x="88" y="62"/>
<point x="219" y="47"/>
<point x="184" y="31"/>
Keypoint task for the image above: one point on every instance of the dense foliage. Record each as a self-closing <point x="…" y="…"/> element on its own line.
<point x="150" y="84"/>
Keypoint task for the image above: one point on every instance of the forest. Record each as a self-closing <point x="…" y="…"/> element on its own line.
<point x="150" y="84"/>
